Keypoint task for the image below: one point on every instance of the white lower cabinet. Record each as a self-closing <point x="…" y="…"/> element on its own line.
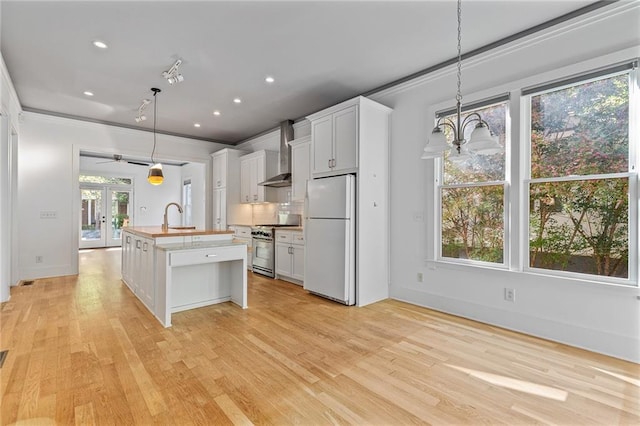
<point x="290" y="256"/>
<point x="138" y="267"/>
<point x="220" y="209"/>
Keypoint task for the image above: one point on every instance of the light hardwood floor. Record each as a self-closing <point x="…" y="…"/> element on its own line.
<point x="83" y="350"/>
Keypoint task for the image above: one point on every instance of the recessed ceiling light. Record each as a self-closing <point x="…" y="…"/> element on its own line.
<point x="88" y="93"/>
<point x="269" y="79"/>
<point x="196" y="124"/>
<point x="216" y="112"/>
<point x="100" y="44"/>
<point x="237" y="100"/>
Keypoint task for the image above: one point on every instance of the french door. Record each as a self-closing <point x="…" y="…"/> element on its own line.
<point x="104" y="210"/>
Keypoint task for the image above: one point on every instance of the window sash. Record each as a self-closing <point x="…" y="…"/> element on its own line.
<point x="632" y="230"/>
<point x="475" y="105"/>
<point x="505" y="226"/>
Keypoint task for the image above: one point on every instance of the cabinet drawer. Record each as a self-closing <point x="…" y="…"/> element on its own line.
<point x="212" y="255"/>
<point x="243" y="231"/>
<point x="283" y="237"/>
<point x="297" y="238"/>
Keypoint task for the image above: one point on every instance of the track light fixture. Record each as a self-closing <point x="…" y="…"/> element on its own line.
<point x="172" y="75"/>
<point x="141" y="116"/>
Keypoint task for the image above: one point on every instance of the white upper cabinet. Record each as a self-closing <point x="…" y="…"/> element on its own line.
<point x="225" y="184"/>
<point x="334" y="146"/>
<point x="300" y="167"/>
<point x="255" y="168"/>
<point x="220" y="160"/>
<point x="341" y="136"/>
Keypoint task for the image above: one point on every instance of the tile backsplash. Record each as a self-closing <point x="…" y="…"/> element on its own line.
<point x="267" y="213"/>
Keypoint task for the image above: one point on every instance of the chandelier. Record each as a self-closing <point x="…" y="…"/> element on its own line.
<point x="481" y="140"/>
<point x="155" y="171"/>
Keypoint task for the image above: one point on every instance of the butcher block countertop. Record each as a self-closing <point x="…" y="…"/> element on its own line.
<point x="156" y="231"/>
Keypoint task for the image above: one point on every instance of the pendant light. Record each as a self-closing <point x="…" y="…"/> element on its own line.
<point x="481" y="140"/>
<point x="155" y="171"/>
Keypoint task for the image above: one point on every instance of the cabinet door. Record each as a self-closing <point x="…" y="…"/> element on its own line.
<point x="345" y="139"/>
<point x="146" y="284"/>
<point x="245" y="181"/>
<point x="220" y="170"/>
<point x="136" y="273"/>
<point x="127" y="257"/>
<point x="259" y="175"/>
<point x="297" y="262"/>
<point x="321" y="144"/>
<point x="283" y="259"/>
<point x="220" y="209"/>
<point x="300" y="170"/>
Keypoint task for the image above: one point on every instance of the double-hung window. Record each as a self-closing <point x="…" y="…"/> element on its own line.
<point x="580" y="179"/>
<point x="472" y="194"/>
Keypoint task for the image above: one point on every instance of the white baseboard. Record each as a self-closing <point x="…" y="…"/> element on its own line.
<point x="618" y="346"/>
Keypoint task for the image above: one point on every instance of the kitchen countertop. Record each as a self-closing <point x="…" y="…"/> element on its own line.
<point x="198" y="245"/>
<point x="157" y="231"/>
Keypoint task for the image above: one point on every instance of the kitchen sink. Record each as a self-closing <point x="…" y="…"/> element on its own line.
<point x="182" y="227"/>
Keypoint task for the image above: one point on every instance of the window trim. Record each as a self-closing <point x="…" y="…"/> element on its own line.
<point x="517" y="173"/>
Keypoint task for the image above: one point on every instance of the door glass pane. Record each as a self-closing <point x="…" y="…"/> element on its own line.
<point x="119" y="212"/>
<point x="91" y="215"/>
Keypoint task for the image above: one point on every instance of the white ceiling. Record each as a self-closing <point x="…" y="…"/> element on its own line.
<point x="320" y="53"/>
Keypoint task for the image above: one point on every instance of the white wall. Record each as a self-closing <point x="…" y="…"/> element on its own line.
<point x="10" y="111"/>
<point x="602" y="318"/>
<point x="48" y="168"/>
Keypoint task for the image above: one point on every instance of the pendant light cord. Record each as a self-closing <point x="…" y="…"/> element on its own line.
<point x="155" y="113"/>
<point x="459" y="94"/>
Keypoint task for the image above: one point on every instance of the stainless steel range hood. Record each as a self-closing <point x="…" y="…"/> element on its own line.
<point x="284" y="178"/>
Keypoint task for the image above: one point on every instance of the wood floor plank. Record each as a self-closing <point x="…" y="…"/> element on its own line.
<point x="84" y="350"/>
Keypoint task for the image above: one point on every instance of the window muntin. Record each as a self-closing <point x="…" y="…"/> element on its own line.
<point x="580" y="217"/>
<point x="104" y="180"/>
<point x="472" y="197"/>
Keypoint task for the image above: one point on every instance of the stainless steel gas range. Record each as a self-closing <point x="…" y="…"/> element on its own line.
<point x="264" y="247"/>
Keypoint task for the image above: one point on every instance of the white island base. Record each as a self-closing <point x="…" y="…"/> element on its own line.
<point x="199" y="275"/>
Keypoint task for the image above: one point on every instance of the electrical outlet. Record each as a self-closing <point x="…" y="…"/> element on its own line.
<point x="48" y="214"/>
<point x="39" y="259"/>
<point x="510" y="294"/>
<point x="419" y="277"/>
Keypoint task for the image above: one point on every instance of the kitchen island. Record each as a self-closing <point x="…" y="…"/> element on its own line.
<point x="178" y="269"/>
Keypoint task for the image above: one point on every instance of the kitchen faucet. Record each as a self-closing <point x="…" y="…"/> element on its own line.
<point x="165" y="224"/>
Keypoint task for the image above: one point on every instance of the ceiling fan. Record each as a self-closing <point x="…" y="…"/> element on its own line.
<point x="117" y="158"/>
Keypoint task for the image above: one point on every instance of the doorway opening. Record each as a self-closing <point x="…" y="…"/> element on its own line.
<point x="105" y="207"/>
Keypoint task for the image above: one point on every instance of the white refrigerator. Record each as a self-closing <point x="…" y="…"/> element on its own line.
<point x="330" y="252"/>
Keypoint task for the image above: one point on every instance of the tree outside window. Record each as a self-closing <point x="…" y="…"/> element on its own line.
<point x="580" y="186"/>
